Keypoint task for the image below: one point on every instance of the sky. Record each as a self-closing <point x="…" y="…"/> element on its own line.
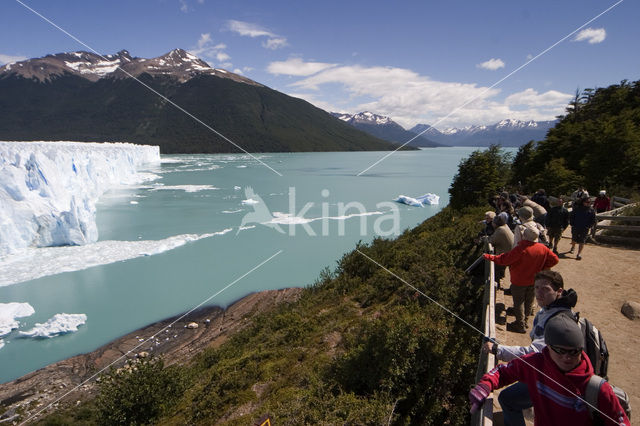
<point x="443" y="63"/>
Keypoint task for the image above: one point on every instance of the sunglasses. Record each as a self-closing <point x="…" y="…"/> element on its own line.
<point x="562" y="351"/>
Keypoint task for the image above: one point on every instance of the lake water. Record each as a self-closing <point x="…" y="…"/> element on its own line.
<point x="201" y="195"/>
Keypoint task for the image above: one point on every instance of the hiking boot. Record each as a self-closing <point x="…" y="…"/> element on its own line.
<point x="571" y="251"/>
<point x="516" y="328"/>
<point x="578" y="257"/>
<point x="555" y="251"/>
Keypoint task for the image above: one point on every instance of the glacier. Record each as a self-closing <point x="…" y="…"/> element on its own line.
<point x="48" y="190"/>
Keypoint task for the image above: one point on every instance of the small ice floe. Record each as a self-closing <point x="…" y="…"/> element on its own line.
<point x="133" y="202"/>
<point x="59" y="324"/>
<point x="8" y="314"/>
<point x="237" y="188"/>
<point x="185" y="188"/>
<point x="250" y="201"/>
<point x="426" y="199"/>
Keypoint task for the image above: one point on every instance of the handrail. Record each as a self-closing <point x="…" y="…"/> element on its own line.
<point x="604" y="221"/>
<point x="486" y="361"/>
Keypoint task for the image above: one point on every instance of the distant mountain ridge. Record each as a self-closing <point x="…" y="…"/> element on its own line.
<point x="88" y="97"/>
<point x="508" y="132"/>
<point x="384" y="128"/>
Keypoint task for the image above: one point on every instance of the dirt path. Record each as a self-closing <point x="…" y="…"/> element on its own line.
<point x="604" y="279"/>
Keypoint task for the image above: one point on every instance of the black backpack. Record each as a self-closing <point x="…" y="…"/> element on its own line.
<point x="594" y="346"/>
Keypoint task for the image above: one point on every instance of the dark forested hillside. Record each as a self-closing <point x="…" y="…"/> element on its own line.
<point x="259" y="119"/>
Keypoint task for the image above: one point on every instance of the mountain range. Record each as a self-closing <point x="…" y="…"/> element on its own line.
<point x="385" y="128"/>
<point x="508" y="132"/>
<point x="89" y="97"/>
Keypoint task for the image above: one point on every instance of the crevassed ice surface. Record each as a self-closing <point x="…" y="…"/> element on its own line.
<point x="48" y="190"/>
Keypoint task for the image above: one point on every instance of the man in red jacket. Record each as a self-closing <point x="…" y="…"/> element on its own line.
<point x="525" y="260"/>
<point x="557" y="380"/>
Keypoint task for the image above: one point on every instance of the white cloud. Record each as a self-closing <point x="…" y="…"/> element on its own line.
<point x="222" y="56"/>
<point x="592" y="35"/>
<point x="532" y="99"/>
<point x="184" y="5"/>
<point x="492" y="64"/>
<point x="248" y="29"/>
<point x="275" y="43"/>
<point x="8" y="59"/>
<point x="206" y="49"/>
<point x="297" y="67"/>
<point x="410" y="98"/>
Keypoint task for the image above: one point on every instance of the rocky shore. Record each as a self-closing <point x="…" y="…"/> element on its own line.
<point x="73" y="380"/>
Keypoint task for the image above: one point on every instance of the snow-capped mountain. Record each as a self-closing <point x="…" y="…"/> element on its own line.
<point x="508" y="132"/>
<point x="384" y="128"/>
<point x="178" y="64"/>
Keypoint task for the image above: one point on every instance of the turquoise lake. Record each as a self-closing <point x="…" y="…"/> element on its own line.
<point x="204" y="194"/>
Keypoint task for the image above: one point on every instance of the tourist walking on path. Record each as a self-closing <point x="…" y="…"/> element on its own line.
<point x="525" y="260"/>
<point x="582" y="218"/>
<point x="557" y="221"/>
<point x="552" y="298"/>
<point x="556" y="379"/>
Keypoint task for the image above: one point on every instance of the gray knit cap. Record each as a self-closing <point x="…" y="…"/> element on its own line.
<point x="563" y="330"/>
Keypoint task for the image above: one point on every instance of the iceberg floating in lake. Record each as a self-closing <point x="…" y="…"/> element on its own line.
<point x="48" y="190"/>
<point x="8" y="314"/>
<point x="59" y="324"/>
<point x="426" y="199"/>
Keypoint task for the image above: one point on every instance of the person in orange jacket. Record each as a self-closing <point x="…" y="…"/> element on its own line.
<point x="526" y="259"/>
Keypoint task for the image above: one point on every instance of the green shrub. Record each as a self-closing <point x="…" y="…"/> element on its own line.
<point x="140" y="392"/>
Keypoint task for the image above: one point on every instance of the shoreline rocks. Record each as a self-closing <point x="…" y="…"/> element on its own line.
<point x="73" y="379"/>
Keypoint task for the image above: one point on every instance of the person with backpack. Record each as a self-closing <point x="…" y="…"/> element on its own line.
<point x="552" y="298"/>
<point x="557" y="380"/>
<point x="525" y="214"/>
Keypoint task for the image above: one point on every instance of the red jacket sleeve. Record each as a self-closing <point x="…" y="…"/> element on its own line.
<point x="510" y="257"/>
<point x="502" y="375"/>
<point x="551" y="260"/>
<point x="608" y="403"/>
